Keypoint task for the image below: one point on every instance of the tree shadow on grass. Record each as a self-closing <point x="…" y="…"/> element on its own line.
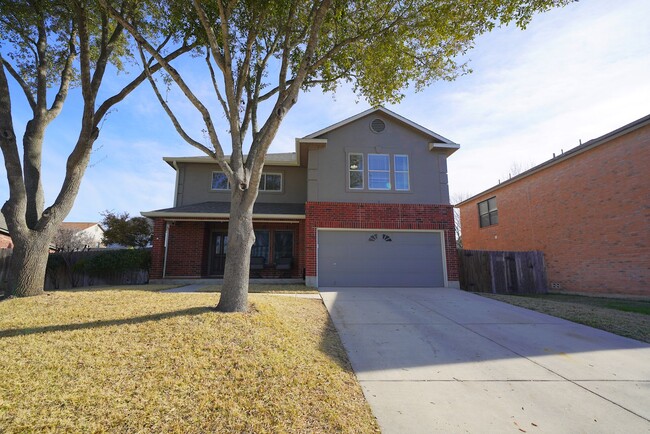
<point x="331" y="345"/>
<point x="105" y="323"/>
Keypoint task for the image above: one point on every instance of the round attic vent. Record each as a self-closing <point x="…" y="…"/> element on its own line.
<point x="377" y="126"/>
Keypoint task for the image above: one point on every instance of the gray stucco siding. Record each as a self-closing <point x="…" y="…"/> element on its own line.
<point x="194" y="185"/>
<point x="380" y="259"/>
<point x="328" y="166"/>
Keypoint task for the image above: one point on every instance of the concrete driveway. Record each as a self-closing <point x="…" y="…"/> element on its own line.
<point x="443" y="360"/>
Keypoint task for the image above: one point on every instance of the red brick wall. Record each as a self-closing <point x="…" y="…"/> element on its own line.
<point x="189" y="243"/>
<point x="589" y="215"/>
<point x="158" y="249"/>
<point x="379" y="216"/>
<point x="187" y="249"/>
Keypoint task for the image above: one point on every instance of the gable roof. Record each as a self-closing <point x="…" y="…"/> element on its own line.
<point x="78" y="226"/>
<point x="635" y="125"/>
<point x="388" y="113"/>
<point x="295" y="158"/>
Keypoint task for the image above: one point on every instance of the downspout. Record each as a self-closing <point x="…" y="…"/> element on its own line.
<point x="164" y="271"/>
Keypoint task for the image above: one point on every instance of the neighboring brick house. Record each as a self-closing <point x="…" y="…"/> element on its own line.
<point x="364" y="202"/>
<point x="5" y="238"/>
<point x="587" y="209"/>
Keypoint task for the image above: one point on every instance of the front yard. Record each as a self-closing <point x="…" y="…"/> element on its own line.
<point x="133" y="360"/>
<point x="630" y="318"/>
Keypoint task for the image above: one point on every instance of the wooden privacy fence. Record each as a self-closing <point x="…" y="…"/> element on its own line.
<point x="64" y="274"/>
<point x="502" y="272"/>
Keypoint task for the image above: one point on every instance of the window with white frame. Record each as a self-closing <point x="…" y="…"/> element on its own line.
<point x="379" y="172"/>
<point x="271" y="182"/>
<point x="401" y="172"/>
<point x="220" y="181"/>
<point x="355" y="171"/>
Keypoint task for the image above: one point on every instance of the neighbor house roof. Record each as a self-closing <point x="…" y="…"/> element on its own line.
<point x="222" y="210"/>
<point x="79" y="226"/>
<point x="639" y="123"/>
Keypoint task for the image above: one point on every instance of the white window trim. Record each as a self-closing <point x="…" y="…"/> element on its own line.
<point x="219" y="189"/>
<point x="363" y="183"/>
<point x="379" y="171"/>
<point x="272" y="191"/>
<point x="407" y="171"/>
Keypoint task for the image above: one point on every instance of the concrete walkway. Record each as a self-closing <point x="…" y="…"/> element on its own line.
<point x="443" y="360"/>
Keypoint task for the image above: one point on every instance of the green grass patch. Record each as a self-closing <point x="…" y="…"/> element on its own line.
<point x="140" y="361"/>
<point x="629" y="318"/>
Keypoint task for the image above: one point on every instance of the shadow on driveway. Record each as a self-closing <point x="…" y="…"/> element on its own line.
<point x="444" y="360"/>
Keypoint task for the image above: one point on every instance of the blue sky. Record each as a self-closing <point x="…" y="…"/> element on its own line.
<point x="574" y="74"/>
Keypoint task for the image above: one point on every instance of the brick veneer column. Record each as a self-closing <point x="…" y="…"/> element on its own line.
<point x="158" y="249"/>
<point x="379" y="216"/>
<point x="187" y="248"/>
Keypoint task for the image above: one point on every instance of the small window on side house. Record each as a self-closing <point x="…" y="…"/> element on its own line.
<point x="355" y="171"/>
<point x="271" y="182"/>
<point x="378" y="172"/>
<point x="220" y="181"/>
<point x="402" y="172"/>
<point x="488" y="213"/>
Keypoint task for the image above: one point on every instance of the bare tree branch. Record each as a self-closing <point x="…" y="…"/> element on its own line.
<point x="23" y="85"/>
<point x="110" y="102"/>
<point x="9" y="148"/>
<point x="66" y="78"/>
<point x="175" y="76"/>
<point x="236" y="158"/>
<point x="169" y="112"/>
<point x="215" y="85"/>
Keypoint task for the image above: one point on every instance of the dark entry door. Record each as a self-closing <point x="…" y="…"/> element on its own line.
<point x="219" y="249"/>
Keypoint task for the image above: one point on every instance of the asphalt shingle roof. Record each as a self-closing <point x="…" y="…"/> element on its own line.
<point x="224" y="208"/>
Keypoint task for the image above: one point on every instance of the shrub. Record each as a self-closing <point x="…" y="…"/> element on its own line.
<point x="111" y="261"/>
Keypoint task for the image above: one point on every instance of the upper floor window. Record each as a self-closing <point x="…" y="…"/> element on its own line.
<point x="402" y="172"/>
<point x="271" y="182"/>
<point x="220" y="181"/>
<point x="355" y="171"/>
<point x="268" y="182"/>
<point x="378" y="172"/>
<point x="488" y="213"/>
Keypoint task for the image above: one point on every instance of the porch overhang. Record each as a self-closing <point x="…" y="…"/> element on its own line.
<point x="220" y="211"/>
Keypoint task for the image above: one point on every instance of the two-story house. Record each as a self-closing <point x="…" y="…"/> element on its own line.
<point x="364" y="202"/>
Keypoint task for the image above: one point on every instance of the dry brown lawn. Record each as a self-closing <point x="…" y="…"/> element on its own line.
<point x="622" y="317"/>
<point x="142" y="361"/>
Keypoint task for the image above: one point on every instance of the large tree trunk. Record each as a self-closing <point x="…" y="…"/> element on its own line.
<point x="28" y="265"/>
<point x="234" y="293"/>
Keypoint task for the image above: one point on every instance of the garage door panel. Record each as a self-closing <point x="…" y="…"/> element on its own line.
<point x="358" y="258"/>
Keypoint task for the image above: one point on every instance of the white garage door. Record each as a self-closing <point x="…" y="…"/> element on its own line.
<point x="380" y="258"/>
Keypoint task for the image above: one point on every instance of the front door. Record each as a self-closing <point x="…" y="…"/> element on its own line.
<point x="219" y="248"/>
